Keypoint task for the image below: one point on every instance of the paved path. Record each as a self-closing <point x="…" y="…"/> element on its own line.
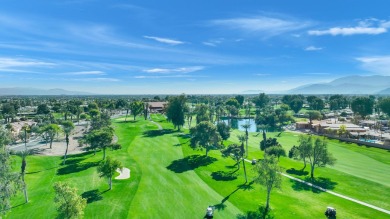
<point x="333" y="193"/>
<point x="158" y="125"/>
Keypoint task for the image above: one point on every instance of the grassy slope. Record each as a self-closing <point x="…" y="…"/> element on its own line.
<point x="152" y="190"/>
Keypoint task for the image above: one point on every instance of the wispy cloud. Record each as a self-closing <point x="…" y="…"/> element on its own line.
<point x="164" y="40"/>
<point x="376" y="64"/>
<point x="313" y="48"/>
<point x="168" y="76"/>
<point x="262" y="74"/>
<point x="368" y="26"/>
<point x="85" y="73"/>
<point x="182" y="70"/>
<point x="97" y="79"/>
<point x="11" y="63"/>
<point x="265" y="25"/>
<point x="213" y="42"/>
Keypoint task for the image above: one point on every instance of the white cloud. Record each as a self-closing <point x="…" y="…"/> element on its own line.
<point x="266" y="26"/>
<point x="262" y="74"/>
<point x="376" y="64"/>
<point x="165" y="40"/>
<point x="368" y="26"/>
<point x="9" y="63"/>
<point x="85" y="73"/>
<point x="97" y="79"/>
<point x="212" y="43"/>
<point x="167" y="76"/>
<point x="313" y="48"/>
<point x="182" y="70"/>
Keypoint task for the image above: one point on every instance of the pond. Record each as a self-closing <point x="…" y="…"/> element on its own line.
<point x="237" y="124"/>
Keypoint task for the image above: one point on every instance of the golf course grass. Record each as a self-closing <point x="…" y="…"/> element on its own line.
<point x="171" y="180"/>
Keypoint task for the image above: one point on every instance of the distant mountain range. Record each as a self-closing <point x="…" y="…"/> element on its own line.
<point x="35" y="91"/>
<point x="375" y="84"/>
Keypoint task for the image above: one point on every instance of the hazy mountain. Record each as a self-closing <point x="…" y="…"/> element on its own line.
<point x="347" y="85"/>
<point x="252" y="91"/>
<point x="35" y="91"/>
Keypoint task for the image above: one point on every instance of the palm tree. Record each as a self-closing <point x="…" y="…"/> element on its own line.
<point x="67" y="127"/>
<point x="246" y="127"/>
<point x="23" y="155"/>
<point x="242" y="139"/>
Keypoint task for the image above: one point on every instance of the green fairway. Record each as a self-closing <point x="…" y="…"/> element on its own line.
<point x="171" y="180"/>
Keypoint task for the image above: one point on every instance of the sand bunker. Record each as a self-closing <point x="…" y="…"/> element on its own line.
<point x="124" y="174"/>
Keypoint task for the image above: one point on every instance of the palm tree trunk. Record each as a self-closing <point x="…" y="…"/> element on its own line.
<point x="243" y="163"/>
<point x="110" y="182"/>
<point x="67" y="145"/>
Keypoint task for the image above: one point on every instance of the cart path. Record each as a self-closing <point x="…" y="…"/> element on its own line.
<point x="158" y="125"/>
<point x="333" y="193"/>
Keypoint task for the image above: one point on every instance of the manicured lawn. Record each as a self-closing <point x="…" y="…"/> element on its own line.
<point x="171" y="180"/>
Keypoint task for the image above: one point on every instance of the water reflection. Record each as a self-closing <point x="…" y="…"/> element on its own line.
<point x="237" y="124"/>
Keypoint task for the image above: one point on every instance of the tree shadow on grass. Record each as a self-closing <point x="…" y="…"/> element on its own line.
<point x="245" y="186"/>
<point x="223" y="176"/>
<point x="260" y="213"/>
<point x="38" y="171"/>
<point x="297" y="172"/>
<point x="190" y="163"/>
<point x="155" y="133"/>
<point x="322" y="182"/>
<point x="92" y="195"/>
<point x="77" y="167"/>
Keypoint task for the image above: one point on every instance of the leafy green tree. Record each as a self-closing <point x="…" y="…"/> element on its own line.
<point x="205" y="135"/>
<point x="337" y="102"/>
<point x="268" y="143"/>
<point x="312" y="115"/>
<point x="261" y="101"/>
<point x="235" y="152"/>
<point x="43" y="109"/>
<point x="9" y="181"/>
<point x="202" y="113"/>
<point x="276" y="151"/>
<point x="136" y="108"/>
<point x="175" y="110"/>
<point x="316" y="153"/>
<point x="50" y="131"/>
<point x="384" y="105"/>
<point x="268" y="175"/>
<point x="362" y="106"/>
<point x="296" y="105"/>
<point x="233" y="102"/>
<point x="69" y="203"/>
<point x="67" y="127"/>
<point x="315" y="103"/>
<point x="107" y="169"/>
<point x="8" y="111"/>
<point x="240" y="99"/>
<point x="342" y="130"/>
<point x="223" y="130"/>
<point x="100" y="138"/>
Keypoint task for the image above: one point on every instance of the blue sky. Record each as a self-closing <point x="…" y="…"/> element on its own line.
<point x="193" y="47"/>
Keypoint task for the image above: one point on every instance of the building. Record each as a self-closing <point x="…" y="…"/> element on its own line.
<point x="156" y="107"/>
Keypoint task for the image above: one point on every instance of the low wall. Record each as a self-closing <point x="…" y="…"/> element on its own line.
<point x="370" y="144"/>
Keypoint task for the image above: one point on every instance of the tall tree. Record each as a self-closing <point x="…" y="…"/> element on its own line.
<point x="50" y="131"/>
<point x="67" y="127"/>
<point x="313" y="114"/>
<point x="205" y="135"/>
<point x="235" y="152"/>
<point x="100" y="138"/>
<point x="268" y="175"/>
<point x="9" y="181"/>
<point x="384" y="105"/>
<point x="136" y="108"/>
<point x="69" y="203"/>
<point x="246" y="127"/>
<point x="242" y="139"/>
<point x="175" y="110"/>
<point x="362" y="106"/>
<point x="223" y="130"/>
<point x="43" y="109"/>
<point x="23" y="154"/>
<point x="261" y="101"/>
<point x="202" y="113"/>
<point x="316" y="153"/>
<point x="107" y="169"/>
<point x="240" y="99"/>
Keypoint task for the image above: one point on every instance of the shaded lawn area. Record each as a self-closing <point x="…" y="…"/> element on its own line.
<point x="356" y="174"/>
